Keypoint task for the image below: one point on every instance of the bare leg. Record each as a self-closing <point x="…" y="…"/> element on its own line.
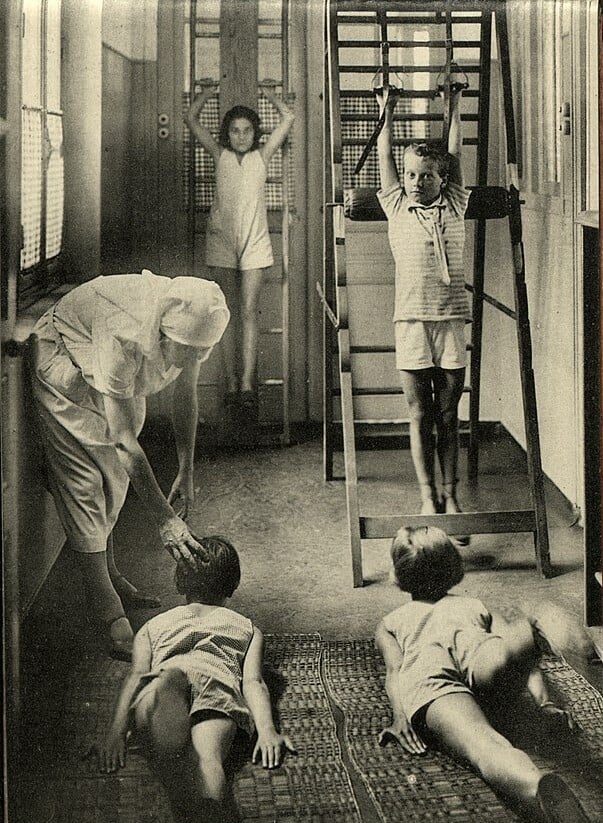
<point x="459" y="726"/>
<point x="212" y="740"/>
<point x="502" y="665"/>
<point x="227" y="279"/>
<point x="105" y="601"/>
<point x="128" y="593"/>
<point x="448" y="388"/>
<point x="251" y="285"/>
<point x="188" y="761"/>
<point x="419" y="396"/>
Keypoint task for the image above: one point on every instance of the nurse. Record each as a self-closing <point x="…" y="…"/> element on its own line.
<point x="96" y="355"/>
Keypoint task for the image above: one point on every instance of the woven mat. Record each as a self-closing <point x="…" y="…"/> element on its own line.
<point x="433" y="787"/>
<point x="62" y="784"/>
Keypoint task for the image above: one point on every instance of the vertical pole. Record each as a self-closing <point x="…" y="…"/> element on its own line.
<point x="343" y="334"/>
<point x="524" y="339"/>
<point x="285" y="319"/>
<point x="192" y="177"/>
<point x="479" y="252"/>
<point x="328" y="335"/>
<point x="238" y="54"/>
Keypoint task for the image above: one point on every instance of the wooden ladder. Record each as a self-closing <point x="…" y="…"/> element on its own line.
<point x="344" y="17"/>
<point x="244" y="81"/>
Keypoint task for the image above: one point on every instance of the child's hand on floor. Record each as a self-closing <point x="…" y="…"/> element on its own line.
<point x="112" y="752"/>
<point x="270" y="746"/>
<point x="401" y="731"/>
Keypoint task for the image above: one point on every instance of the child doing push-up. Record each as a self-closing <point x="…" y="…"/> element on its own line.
<point x="196" y="678"/>
<point x="449" y="661"/>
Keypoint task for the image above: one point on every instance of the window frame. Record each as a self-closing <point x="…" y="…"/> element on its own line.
<point x="36" y="280"/>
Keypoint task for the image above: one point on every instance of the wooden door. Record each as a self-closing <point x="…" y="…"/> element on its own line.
<point x="231" y="41"/>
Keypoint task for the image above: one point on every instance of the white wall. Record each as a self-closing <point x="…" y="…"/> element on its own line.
<point x="130" y="27"/>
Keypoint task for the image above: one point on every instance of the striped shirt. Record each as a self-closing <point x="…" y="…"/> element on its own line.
<point x="422" y="290"/>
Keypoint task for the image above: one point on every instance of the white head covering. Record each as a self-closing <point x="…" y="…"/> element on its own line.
<point x="193" y="312"/>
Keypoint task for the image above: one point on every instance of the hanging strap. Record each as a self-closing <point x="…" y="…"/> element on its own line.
<point x="447" y="73"/>
<point x="387" y="89"/>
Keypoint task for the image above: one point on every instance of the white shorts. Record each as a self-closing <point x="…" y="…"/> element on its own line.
<point x="422" y="344"/>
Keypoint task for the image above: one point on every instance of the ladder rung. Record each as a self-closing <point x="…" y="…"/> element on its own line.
<point x="498" y="522"/>
<point x="272" y="381"/>
<point x="385" y="349"/>
<point x="372" y="349"/>
<point x="406" y="141"/>
<point x="409" y="44"/>
<point x="272" y="331"/>
<point x="410" y="94"/>
<point x="411" y="20"/>
<point x="426" y="117"/>
<point x="378" y="391"/>
<point x="348" y="69"/>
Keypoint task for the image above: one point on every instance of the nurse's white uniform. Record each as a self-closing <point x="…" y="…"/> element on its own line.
<point x="103" y="338"/>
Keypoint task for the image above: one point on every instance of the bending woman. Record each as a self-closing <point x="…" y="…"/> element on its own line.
<point x="97" y="354"/>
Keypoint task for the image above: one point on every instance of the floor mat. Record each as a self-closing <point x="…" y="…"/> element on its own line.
<point x="435" y="788"/>
<point x="63" y="784"/>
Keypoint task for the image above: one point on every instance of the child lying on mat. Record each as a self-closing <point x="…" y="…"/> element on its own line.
<point x="448" y="659"/>
<point x="196" y="679"/>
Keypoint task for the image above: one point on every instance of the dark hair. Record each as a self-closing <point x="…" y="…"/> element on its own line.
<point x="435" y="152"/>
<point x="217" y="572"/>
<point x="426" y="562"/>
<point x="235" y="113"/>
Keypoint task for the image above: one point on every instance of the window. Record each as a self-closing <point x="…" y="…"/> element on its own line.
<point x="42" y="185"/>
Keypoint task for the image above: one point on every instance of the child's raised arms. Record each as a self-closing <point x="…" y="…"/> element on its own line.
<point x="455" y="134"/>
<point x="279" y="135"/>
<point x="112" y="749"/>
<point x="201" y="133"/>
<point x="400" y="728"/>
<point x="388" y="173"/>
<point x="270" y="743"/>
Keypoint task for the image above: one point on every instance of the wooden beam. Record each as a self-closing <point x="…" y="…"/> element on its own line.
<point x="498" y="522"/>
<point x="238" y="54"/>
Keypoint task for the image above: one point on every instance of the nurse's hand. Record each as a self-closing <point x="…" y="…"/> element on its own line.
<point x="182" y="493"/>
<point x="178" y="540"/>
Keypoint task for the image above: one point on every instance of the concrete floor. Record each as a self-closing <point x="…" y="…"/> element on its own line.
<point x="290" y="528"/>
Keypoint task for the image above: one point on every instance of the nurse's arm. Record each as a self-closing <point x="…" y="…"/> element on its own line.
<point x="185" y="416"/>
<point x="121" y="417"/>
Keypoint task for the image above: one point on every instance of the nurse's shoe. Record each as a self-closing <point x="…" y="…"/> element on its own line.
<point x="119" y="637"/>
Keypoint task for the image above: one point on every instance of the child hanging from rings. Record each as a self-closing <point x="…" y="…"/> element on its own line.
<point x="196" y="678"/>
<point x="450" y="663"/>
<point x="425" y="208"/>
<point x="238" y="248"/>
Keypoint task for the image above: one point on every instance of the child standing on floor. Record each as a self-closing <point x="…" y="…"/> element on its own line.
<point x="448" y="661"/>
<point x="196" y="679"/>
<point x="425" y="211"/>
<point x="238" y="248"/>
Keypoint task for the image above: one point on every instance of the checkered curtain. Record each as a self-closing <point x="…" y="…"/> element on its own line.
<point x="204" y="171"/>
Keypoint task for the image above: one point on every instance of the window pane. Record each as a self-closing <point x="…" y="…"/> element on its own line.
<point x="53" y="55"/>
<point x="54" y="187"/>
<point x="31" y="55"/>
<point x="31" y="187"/>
